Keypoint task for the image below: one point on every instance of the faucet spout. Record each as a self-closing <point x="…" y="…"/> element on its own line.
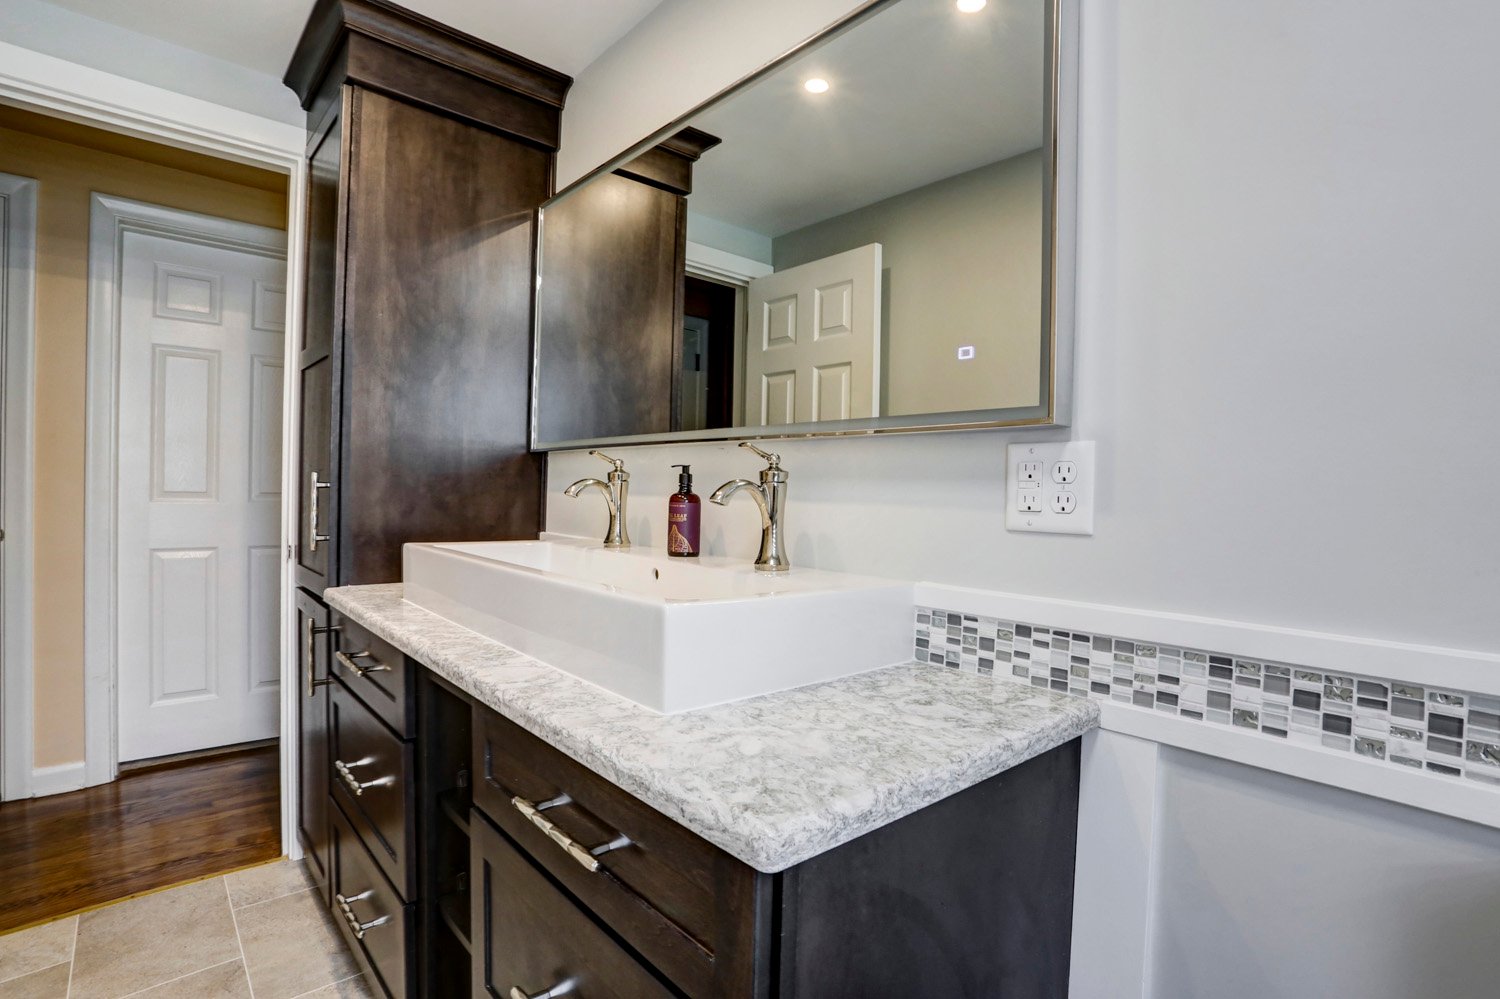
<point x="721" y="496"/>
<point x="615" y="491"/>
<point x="770" y="497"/>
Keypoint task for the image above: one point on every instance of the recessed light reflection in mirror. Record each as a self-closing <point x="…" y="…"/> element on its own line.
<point x="817" y="85"/>
<point x="971" y="6"/>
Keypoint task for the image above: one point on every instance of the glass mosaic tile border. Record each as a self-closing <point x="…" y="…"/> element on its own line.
<point x="1443" y="732"/>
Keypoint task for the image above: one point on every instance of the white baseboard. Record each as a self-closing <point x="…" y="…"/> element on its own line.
<point x="57" y="780"/>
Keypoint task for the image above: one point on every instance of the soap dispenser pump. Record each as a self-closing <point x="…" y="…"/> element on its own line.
<point x="683" y="511"/>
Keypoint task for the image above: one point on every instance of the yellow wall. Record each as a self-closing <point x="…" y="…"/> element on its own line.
<point x="70" y="162"/>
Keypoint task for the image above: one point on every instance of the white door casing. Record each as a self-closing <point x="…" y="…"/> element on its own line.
<point x="17" y="448"/>
<point x="813" y="350"/>
<point x="198" y="554"/>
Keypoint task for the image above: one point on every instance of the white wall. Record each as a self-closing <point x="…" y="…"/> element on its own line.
<point x="66" y="34"/>
<point x="1286" y="306"/>
<point x="1261" y="896"/>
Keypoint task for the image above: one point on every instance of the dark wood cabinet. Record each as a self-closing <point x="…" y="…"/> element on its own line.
<point x="429" y="152"/>
<point x="970" y="897"/>
<point x="615" y="261"/>
<point x="312" y="734"/>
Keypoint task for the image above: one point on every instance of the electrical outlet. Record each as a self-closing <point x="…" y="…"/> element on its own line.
<point x="1050" y="487"/>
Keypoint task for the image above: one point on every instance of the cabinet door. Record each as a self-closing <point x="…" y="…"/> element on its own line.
<point x="317" y="487"/>
<point x="529" y="937"/>
<point x="312" y="732"/>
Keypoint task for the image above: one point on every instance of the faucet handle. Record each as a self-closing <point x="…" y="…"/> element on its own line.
<point x="772" y="460"/>
<point x="619" y="463"/>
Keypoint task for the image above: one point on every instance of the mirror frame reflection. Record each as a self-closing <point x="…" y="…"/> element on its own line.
<point x="1058" y="201"/>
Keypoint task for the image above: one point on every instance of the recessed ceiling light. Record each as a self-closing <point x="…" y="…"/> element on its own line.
<point x="971" y="6"/>
<point x="818" y="85"/>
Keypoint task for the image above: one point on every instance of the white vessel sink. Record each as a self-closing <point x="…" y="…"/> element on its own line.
<point x="668" y="633"/>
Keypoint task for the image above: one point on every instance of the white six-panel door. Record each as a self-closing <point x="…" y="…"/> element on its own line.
<point x="813" y="350"/>
<point x="199" y="478"/>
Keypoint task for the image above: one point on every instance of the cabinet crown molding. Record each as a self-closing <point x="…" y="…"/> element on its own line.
<point x="333" y="22"/>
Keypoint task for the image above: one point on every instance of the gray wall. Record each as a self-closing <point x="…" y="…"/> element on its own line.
<point x="1262" y="897"/>
<point x="963" y="266"/>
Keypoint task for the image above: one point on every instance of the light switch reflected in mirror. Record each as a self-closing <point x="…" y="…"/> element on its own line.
<point x="861" y="239"/>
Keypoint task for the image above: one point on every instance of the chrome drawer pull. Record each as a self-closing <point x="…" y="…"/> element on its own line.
<point x="347" y="911"/>
<point x="347" y="659"/>
<point x="352" y="782"/>
<point x="312" y="682"/>
<point x="587" y="856"/>
<point x="313" y="537"/>
<point x="561" y="989"/>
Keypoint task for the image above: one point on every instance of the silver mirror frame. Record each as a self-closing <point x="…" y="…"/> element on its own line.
<point x="1059" y="251"/>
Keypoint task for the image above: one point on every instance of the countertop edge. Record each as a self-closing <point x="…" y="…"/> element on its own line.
<point x="767" y="848"/>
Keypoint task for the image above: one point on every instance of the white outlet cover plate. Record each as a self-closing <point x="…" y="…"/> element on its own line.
<point x="1046" y="521"/>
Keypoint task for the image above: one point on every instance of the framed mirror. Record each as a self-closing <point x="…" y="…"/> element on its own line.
<point x="871" y="235"/>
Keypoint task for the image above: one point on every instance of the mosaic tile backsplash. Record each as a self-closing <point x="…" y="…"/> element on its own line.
<point x="1447" y="733"/>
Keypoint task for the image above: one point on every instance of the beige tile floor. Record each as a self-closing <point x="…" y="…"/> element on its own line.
<point x="255" y="934"/>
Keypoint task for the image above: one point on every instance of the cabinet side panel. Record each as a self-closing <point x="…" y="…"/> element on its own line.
<point x="437" y="336"/>
<point x="969" y="897"/>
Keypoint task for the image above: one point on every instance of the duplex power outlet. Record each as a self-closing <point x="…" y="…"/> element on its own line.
<point x="1049" y="488"/>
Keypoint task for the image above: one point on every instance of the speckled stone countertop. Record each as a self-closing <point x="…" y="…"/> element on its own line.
<point x="773" y="780"/>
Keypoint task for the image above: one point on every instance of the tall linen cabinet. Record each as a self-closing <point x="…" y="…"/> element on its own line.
<point x="428" y="152"/>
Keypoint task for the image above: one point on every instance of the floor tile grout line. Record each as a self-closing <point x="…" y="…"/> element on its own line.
<point x="277" y="898"/>
<point x="73" y="955"/>
<point x="38" y="971"/>
<point x="320" y="988"/>
<point x="179" y="978"/>
<point x="239" y="941"/>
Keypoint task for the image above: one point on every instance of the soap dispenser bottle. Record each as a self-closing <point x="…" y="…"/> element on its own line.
<point x="683" y="510"/>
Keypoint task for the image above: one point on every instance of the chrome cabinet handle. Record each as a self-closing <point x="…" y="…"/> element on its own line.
<point x="347" y="658"/>
<point x="588" y="857"/>
<point x="313" y="537"/>
<point x="352" y="782"/>
<point x="561" y="989"/>
<point x="313" y="630"/>
<point x="346" y="909"/>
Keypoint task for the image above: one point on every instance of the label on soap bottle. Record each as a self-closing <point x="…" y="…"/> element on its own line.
<point x="682" y="529"/>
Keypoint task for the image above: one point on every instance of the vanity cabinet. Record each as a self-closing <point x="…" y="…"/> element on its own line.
<point x="968" y="897"/>
<point x="470" y="857"/>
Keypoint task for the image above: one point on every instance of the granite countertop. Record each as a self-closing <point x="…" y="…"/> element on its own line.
<point x="772" y="780"/>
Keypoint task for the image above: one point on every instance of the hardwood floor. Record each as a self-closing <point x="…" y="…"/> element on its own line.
<point x="147" y="830"/>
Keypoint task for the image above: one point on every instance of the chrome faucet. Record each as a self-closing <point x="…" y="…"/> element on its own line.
<point x="770" y="496"/>
<point x="616" y="493"/>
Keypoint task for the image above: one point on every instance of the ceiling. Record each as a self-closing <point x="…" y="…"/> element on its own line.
<point x="566" y="35"/>
<point x="919" y="92"/>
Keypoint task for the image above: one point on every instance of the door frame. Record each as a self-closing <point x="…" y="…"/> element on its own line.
<point x="18" y="445"/>
<point x="111" y="219"/>
<point x="44" y="83"/>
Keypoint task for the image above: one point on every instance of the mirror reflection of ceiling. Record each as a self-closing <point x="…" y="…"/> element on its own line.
<point x="918" y="93"/>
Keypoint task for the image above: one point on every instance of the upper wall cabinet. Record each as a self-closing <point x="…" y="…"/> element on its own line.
<point x="874" y="234"/>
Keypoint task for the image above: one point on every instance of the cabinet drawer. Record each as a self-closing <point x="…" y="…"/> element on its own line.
<point x="532" y="938"/>
<point x="371" y="773"/>
<point x="378" y="674"/>
<point x="369" y="913"/>
<point x="686" y="906"/>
